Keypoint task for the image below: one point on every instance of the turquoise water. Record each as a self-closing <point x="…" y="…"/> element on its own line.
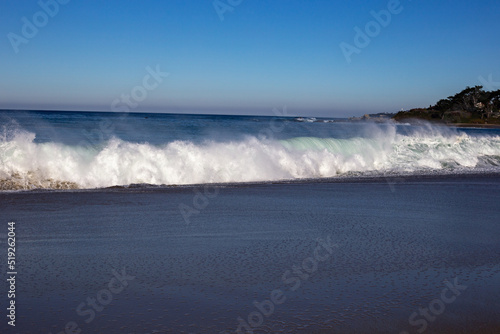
<point x="82" y="150"/>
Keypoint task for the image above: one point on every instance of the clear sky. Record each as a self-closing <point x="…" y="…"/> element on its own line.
<point x="264" y="54"/>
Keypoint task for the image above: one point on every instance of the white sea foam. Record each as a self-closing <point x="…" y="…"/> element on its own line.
<point x="25" y="164"/>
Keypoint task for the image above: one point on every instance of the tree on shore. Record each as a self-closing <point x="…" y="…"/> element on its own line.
<point x="473" y="104"/>
<point x="472" y="99"/>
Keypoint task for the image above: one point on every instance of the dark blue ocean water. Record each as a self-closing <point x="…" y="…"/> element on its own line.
<point x="40" y="149"/>
<point x="154" y="128"/>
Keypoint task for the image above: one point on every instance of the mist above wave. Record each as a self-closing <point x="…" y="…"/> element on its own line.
<point x="25" y="164"/>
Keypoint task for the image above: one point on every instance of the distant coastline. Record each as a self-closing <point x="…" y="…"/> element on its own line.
<point x="472" y="107"/>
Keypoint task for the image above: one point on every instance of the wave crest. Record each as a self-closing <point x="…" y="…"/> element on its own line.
<point x="25" y="164"/>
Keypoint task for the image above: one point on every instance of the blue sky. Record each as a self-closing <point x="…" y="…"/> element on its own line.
<point x="263" y="55"/>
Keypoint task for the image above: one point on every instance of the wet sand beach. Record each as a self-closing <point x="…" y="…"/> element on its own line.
<point x="409" y="255"/>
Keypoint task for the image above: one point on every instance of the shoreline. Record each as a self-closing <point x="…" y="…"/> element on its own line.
<point x="479" y="126"/>
<point x="360" y="179"/>
<point x="416" y="121"/>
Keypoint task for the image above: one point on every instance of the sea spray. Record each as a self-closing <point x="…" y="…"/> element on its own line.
<point x="26" y="164"/>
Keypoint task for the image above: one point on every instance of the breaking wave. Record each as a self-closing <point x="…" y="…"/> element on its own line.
<point x="25" y="164"/>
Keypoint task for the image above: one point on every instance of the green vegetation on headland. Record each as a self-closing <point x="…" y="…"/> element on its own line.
<point x="472" y="106"/>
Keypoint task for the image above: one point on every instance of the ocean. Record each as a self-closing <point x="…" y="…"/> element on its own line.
<point x="84" y="150"/>
<point x="160" y="223"/>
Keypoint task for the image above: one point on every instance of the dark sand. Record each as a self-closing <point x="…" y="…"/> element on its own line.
<point x="395" y="245"/>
